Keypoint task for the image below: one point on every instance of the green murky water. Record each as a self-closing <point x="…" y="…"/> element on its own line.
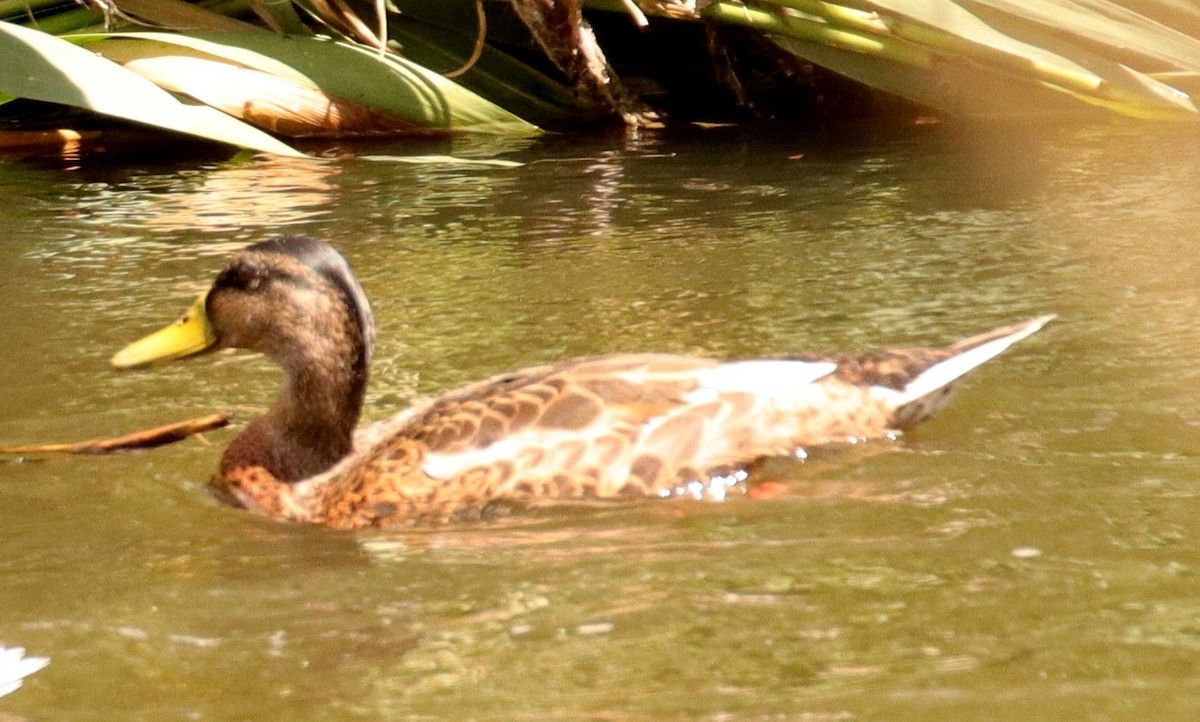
<point x="1030" y="554"/>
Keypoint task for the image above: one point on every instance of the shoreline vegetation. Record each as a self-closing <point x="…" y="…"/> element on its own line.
<point x="261" y="74"/>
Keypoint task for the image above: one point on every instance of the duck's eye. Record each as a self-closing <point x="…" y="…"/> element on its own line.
<point x="241" y="276"/>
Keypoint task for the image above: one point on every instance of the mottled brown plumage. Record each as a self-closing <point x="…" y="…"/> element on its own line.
<point x="606" y="427"/>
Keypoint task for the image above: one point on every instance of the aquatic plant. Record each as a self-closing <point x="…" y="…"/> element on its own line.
<point x="250" y="72"/>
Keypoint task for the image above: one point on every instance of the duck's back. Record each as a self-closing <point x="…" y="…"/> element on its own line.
<point x="629" y="425"/>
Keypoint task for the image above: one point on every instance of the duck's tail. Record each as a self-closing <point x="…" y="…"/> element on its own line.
<point x="15" y="667"/>
<point x="927" y="390"/>
<point x="966" y="355"/>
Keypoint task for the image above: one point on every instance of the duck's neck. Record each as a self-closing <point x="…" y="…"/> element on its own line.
<point x="311" y="425"/>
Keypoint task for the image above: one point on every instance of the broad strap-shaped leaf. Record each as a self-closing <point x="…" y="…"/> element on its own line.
<point x="1119" y="28"/>
<point x="949" y="26"/>
<point x="949" y="55"/>
<point x="387" y="84"/>
<point x="286" y="104"/>
<point x="42" y="67"/>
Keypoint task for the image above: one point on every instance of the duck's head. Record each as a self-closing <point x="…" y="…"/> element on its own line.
<point x="294" y="299"/>
<point x="291" y="298"/>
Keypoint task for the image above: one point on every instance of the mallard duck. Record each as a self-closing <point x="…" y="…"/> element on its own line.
<point x="610" y="426"/>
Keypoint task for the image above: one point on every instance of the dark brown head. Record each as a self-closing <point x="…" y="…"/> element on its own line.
<point x="291" y="298"/>
<point x="296" y="300"/>
<point x="288" y="298"/>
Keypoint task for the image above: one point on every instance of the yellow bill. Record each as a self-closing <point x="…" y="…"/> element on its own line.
<point x="187" y="336"/>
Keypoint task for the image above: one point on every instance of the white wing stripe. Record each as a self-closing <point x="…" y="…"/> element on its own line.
<point x="763" y="378"/>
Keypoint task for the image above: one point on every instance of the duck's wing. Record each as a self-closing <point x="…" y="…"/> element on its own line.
<point x="619" y="425"/>
<point x="915" y="382"/>
<point x="637" y="424"/>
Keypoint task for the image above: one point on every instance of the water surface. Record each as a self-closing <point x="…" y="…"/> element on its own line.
<point x="1031" y="553"/>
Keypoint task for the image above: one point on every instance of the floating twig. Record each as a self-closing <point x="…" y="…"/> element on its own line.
<point x="146" y="439"/>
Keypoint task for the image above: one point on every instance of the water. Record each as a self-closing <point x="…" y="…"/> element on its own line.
<point x="1029" y="554"/>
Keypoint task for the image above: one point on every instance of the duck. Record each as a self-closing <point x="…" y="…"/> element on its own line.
<point x="615" y="426"/>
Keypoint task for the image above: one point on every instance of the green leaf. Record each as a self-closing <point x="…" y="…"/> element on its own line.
<point x="986" y="57"/>
<point x="281" y="15"/>
<point x="385" y="83"/>
<point x="496" y="75"/>
<point x="1031" y="53"/>
<point x="42" y="67"/>
<point x="1119" y="30"/>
